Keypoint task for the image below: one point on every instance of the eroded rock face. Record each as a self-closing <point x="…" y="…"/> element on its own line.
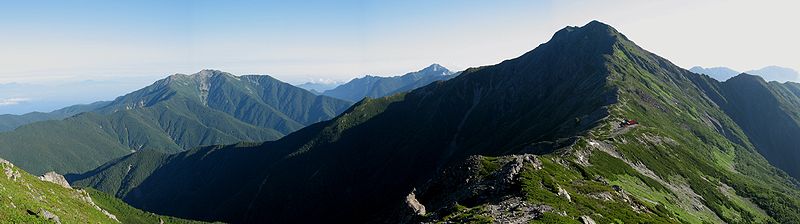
<point x="414" y="204"/>
<point x="56" y="178"/>
<point x="471" y="183"/>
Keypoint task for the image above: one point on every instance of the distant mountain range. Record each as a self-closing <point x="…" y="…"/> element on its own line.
<point x="769" y="73"/>
<point x="718" y="73"/>
<point x="319" y="87"/>
<point x="776" y="73"/>
<point x="9" y="122"/>
<point x="172" y="115"/>
<point x="587" y="127"/>
<point x="376" y="86"/>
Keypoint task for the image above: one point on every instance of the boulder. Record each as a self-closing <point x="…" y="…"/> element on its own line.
<point x="56" y="178"/>
<point x="49" y="216"/>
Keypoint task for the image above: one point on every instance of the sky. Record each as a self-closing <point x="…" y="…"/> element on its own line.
<point x="119" y="46"/>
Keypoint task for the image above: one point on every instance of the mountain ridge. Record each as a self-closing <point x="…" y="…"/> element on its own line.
<point x="587" y="126"/>
<point x="171" y="115"/>
<point x="377" y="86"/>
<point x="9" y="122"/>
<point x="769" y="73"/>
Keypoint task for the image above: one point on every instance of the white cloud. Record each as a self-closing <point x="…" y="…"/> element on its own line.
<point x="12" y="101"/>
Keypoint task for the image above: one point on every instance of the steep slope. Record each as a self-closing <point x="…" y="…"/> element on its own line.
<point x="172" y="115"/>
<point x="375" y="86"/>
<point x="28" y="199"/>
<point x="718" y="73"/>
<point x="9" y="122"/>
<point x="464" y="150"/>
<point x="769" y="113"/>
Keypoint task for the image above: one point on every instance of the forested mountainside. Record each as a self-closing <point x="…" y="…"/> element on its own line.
<point x="9" y="122"/>
<point x="172" y="115"/>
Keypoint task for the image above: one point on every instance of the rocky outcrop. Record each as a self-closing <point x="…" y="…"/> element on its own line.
<point x="564" y="193"/>
<point x="9" y="171"/>
<point x="586" y="220"/>
<point x="414" y="204"/>
<point x="56" y="178"/>
<point x="515" y="210"/>
<point x="478" y="180"/>
<point x="88" y="199"/>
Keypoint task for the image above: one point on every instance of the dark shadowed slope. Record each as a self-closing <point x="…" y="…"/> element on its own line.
<point x="769" y="113"/>
<point x="686" y="160"/>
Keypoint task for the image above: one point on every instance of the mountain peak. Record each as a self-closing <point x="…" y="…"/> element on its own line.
<point x="745" y="77"/>
<point x="434" y="67"/>
<point x="777" y="73"/>
<point x="593" y="30"/>
<point x="718" y="73"/>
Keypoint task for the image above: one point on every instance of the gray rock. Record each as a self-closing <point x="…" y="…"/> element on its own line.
<point x="564" y="193"/>
<point x="56" y="178"/>
<point x="9" y="171"/>
<point x="515" y="210"/>
<point x="49" y="216"/>
<point x="586" y="220"/>
<point x="414" y="204"/>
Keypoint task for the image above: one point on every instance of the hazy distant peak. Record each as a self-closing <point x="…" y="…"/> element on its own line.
<point x="435" y="68"/>
<point x="718" y="73"/>
<point x="432" y="70"/>
<point x="777" y="73"/>
<point x="376" y="86"/>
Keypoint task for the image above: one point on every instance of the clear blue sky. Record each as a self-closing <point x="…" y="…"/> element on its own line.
<point x="336" y="39"/>
<point x="129" y="44"/>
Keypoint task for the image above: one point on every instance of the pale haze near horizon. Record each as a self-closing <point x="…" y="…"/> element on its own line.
<point x="121" y="47"/>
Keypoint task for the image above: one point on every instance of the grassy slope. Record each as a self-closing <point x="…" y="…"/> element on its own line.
<point x="26" y="193"/>
<point x="686" y="141"/>
<point x="686" y="162"/>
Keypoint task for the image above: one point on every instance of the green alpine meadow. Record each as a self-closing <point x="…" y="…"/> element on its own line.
<point x="403" y="112"/>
